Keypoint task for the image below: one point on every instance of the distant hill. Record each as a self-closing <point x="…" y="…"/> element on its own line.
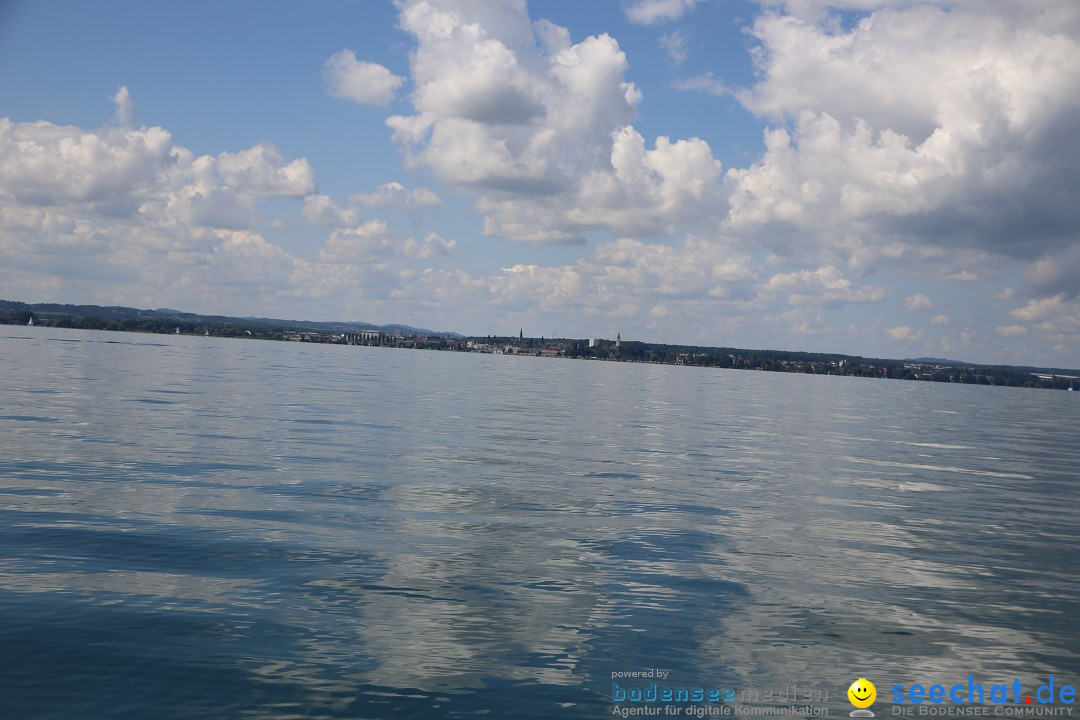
<point x="116" y="317"/>
<point x="1018" y="368"/>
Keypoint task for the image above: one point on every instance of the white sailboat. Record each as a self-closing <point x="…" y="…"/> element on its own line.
<point x="177" y="331"/>
<point x="31" y="323"/>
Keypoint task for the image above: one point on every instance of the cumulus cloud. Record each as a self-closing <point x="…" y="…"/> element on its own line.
<point x="121" y="214"/>
<point x="125" y="108"/>
<point x="651" y="12"/>
<point x="916" y="125"/>
<point x="694" y="267"/>
<point x="372" y="246"/>
<point x="129" y="216"/>
<point x="322" y="211"/>
<point x="396" y="195"/>
<point x="538" y="129"/>
<point x="43" y="164"/>
<point x="261" y="170"/>
<point x="918" y="301"/>
<point x="1039" y="309"/>
<point x="697" y="281"/>
<point x="359" y="81"/>
<point x="802" y="321"/>
<point x="140" y="175"/>
<point x="1056" y="318"/>
<point x="363" y="243"/>
<point x="825" y="286"/>
<point x="903" y="333"/>
<point x="939" y="320"/>
<point x="704" y="283"/>
<point x="433" y="245"/>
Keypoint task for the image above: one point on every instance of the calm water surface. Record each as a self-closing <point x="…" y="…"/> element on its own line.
<point x="205" y="528"/>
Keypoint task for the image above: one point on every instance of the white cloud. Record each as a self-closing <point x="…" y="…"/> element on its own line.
<point x="903" y="333"/>
<point x="1006" y="294"/>
<point x="125" y="108"/>
<point x="433" y="245"/>
<point x="651" y="12"/>
<point x="261" y="170"/>
<point x="675" y="43"/>
<point x="918" y="125"/>
<point x="939" y="320"/>
<point x="692" y="268"/>
<point x="696" y="282"/>
<point x="537" y="129"/>
<point x="803" y="322"/>
<point x="322" y="211"/>
<point x="825" y="286"/>
<point x="140" y="175"/>
<point x="706" y="83"/>
<point x="42" y="163"/>
<point x="396" y="195"/>
<point x="363" y="243"/>
<point x="359" y="81"/>
<point x="212" y="207"/>
<point x="1057" y="317"/>
<point x="1039" y="309"/>
<point x="1012" y="331"/>
<point x="372" y="244"/>
<point x="127" y="215"/>
<point x="918" y="301"/>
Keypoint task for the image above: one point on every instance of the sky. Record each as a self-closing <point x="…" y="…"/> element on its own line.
<point x="885" y="178"/>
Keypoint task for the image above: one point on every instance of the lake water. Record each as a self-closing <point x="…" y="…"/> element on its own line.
<point x="205" y="528"/>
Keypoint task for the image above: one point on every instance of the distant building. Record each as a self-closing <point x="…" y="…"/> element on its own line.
<point x="618" y="341"/>
<point x="370" y="334"/>
<point x="592" y="342"/>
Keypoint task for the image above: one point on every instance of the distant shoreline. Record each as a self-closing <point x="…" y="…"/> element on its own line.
<point x="124" y="319"/>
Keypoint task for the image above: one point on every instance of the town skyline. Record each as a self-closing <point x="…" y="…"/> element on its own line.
<point x="161" y="321"/>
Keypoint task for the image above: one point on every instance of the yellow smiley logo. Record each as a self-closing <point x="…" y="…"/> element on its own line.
<point x="862" y="693"/>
